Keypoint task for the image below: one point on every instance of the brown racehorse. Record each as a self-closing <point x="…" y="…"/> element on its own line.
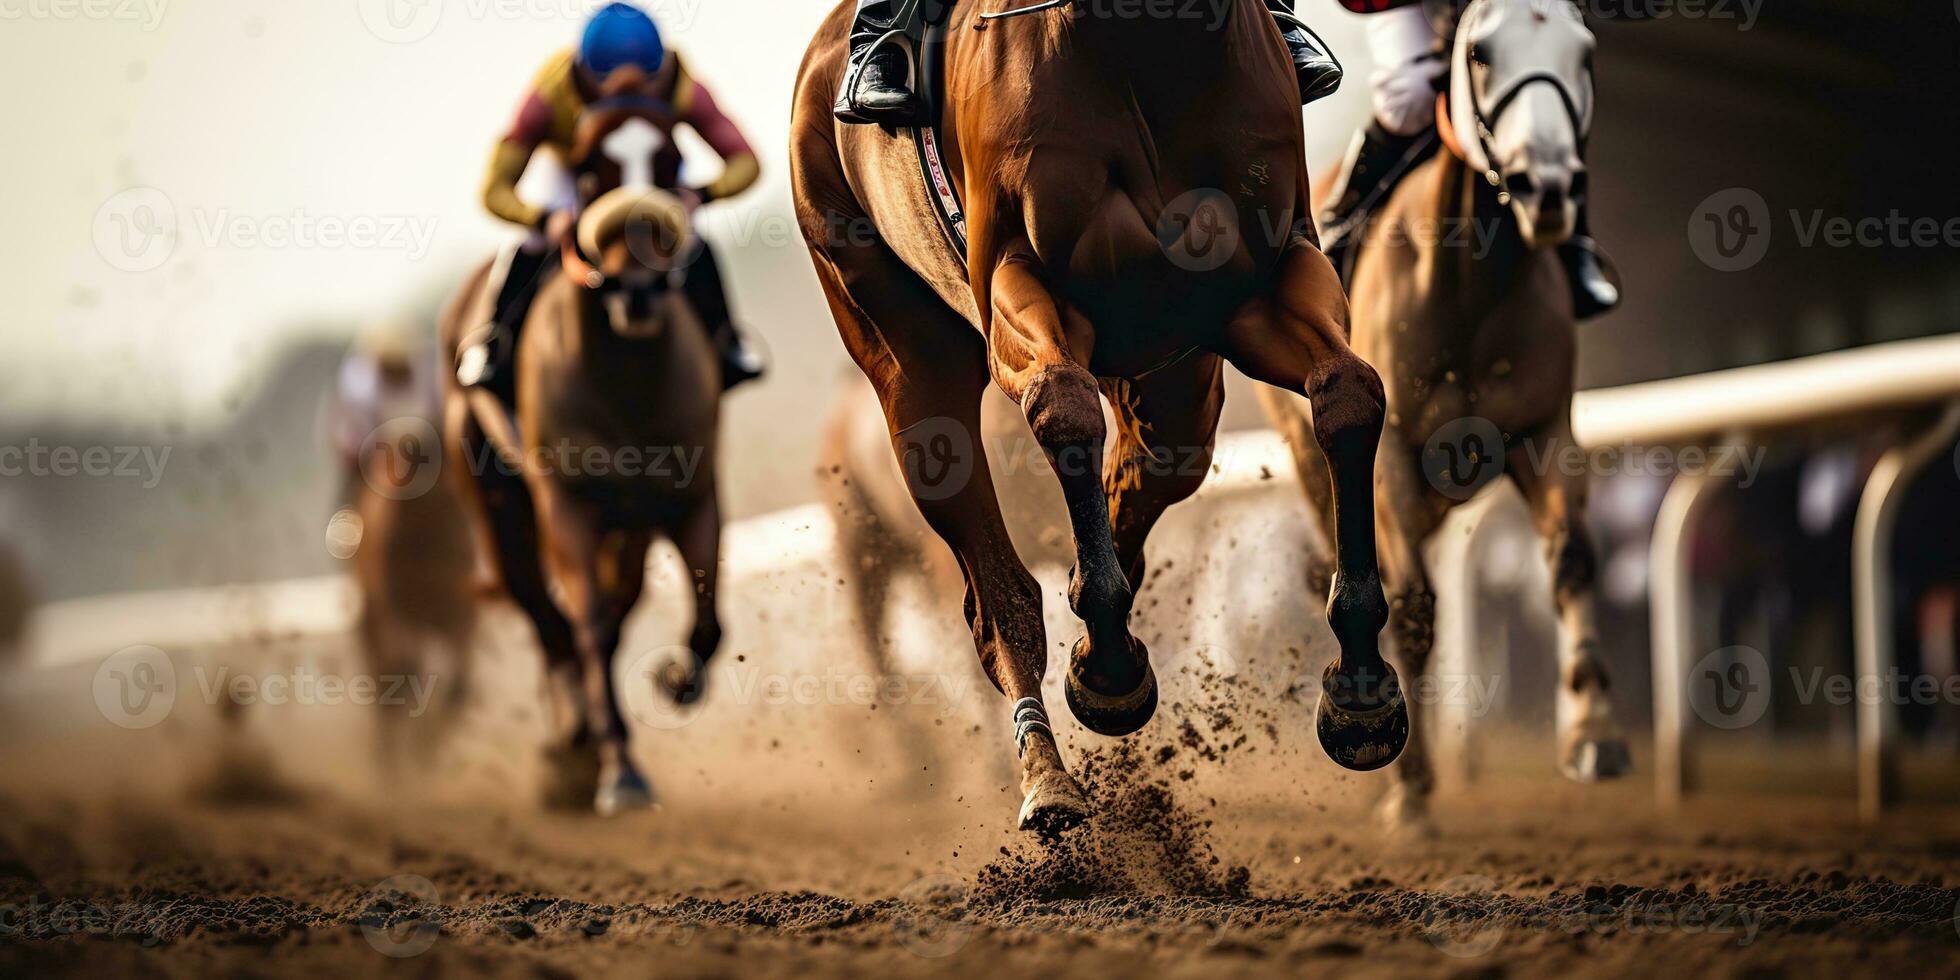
<point x="1459" y="296"/>
<point x="1137" y="198"/>
<point x="413" y="566"/>
<point x="618" y="395"/>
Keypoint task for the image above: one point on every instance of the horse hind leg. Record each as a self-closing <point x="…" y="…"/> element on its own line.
<point x="1110" y="685"/>
<point x="1296" y="341"/>
<point x="929" y="369"/>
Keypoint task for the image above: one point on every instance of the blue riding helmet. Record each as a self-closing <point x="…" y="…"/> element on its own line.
<point x="620" y="34"/>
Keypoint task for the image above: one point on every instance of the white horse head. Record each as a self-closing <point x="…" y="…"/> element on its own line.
<point x="1521" y="105"/>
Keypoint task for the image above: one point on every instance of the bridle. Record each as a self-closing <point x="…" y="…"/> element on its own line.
<point x="572" y="256"/>
<point x="1485" y="120"/>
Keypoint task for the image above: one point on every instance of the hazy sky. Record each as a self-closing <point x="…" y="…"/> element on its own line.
<point x="318" y="162"/>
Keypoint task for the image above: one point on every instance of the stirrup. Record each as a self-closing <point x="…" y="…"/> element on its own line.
<point x="475" y="364"/>
<point x="1338" y="73"/>
<point x="1029" y="718"/>
<point x="847" y="109"/>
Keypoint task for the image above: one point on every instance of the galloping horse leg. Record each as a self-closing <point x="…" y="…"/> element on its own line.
<point x="929" y="368"/>
<point x="1040" y="364"/>
<point x="698" y="536"/>
<point x="596" y="591"/>
<point x="1409" y="513"/>
<point x="505" y="522"/>
<point x="1164" y="452"/>
<point x="1591" y="744"/>
<point x="1296" y="341"/>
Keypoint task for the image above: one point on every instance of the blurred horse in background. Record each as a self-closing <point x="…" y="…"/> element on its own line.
<point x="1461" y="301"/>
<point x="418" y="613"/>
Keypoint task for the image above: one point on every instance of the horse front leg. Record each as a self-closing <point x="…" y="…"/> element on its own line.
<point x="1409" y="511"/>
<point x="698" y="538"/>
<point x="1039" y="363"/>
<point x="1295" y="340"/>
<point x="1591" y="745"/>
<point x="597" y="614"/>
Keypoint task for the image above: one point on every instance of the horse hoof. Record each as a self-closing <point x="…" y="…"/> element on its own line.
<point x="1054" y="805"/>
<point x="1404" y="813"/>
<point x="1591" y="760"/>
<point x="682" y="679"/>
<point x="621" y="789"/>
<point x="1106" y="715"/>
<point x="570" y="776"/>
<point x="1362" y="730"/>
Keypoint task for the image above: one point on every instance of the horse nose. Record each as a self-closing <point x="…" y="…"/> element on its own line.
<point x="1552" y="201"/>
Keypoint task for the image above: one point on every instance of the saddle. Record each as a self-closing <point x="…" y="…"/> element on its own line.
<point x="919" y="28"/>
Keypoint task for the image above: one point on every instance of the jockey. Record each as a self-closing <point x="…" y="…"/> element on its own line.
<point x="617" y="36"/>
<point x="876" y="90"/>
<point x="389" y="373"/>
<point x="1411" y="67"/>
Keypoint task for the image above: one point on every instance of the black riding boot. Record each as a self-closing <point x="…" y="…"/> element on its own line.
<point x="485" y="360"/>
<point x="1319" y="73"/>
<point x="1378" y="157"/>
<point x="709" y="297"/>
<point x="1593" y="291"/>
<point x="877" y="84"/>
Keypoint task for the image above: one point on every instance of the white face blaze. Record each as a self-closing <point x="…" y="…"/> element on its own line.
<point x="633" y="146"/>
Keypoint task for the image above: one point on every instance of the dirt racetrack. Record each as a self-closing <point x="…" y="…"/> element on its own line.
<point x="1261" y="859"/>
<point x="816" y="824"/>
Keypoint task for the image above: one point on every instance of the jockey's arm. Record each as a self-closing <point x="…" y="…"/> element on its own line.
<point x="511" y="157"/>
<point x="739" y="165"/>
